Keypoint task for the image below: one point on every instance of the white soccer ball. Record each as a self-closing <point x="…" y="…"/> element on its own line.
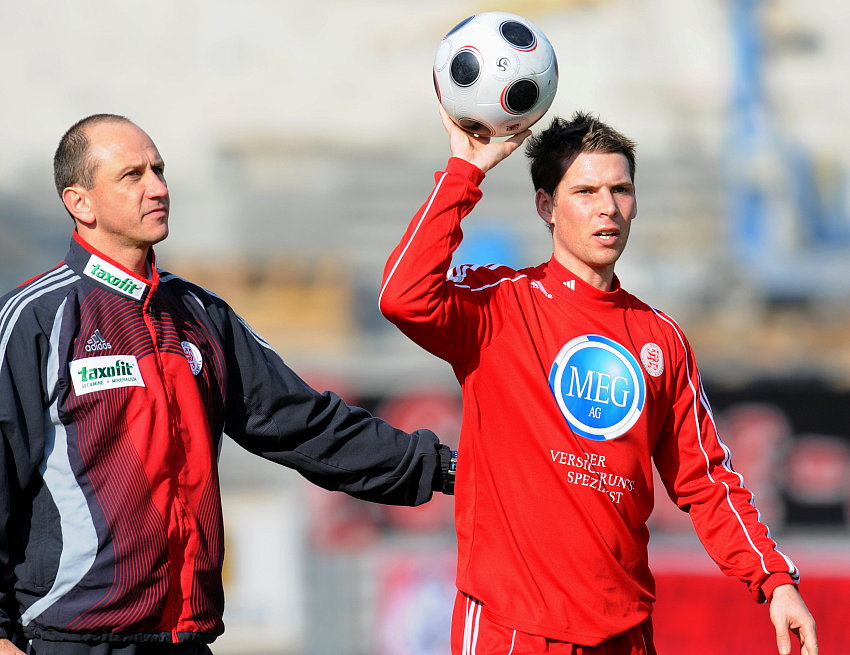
<point x="495" y="74"/>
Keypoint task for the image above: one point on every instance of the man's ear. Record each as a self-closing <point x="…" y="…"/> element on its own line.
<point x="545" y="204"/>
<point x="78" y="204"/>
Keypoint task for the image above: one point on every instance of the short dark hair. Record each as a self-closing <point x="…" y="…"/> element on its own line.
<point x="553" y="150"/>
<point x="71" y="164"/>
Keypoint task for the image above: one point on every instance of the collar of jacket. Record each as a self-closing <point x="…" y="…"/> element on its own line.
<point x="94" y="265"/>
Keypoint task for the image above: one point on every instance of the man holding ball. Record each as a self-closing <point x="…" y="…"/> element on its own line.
<point x="573" y="389"/>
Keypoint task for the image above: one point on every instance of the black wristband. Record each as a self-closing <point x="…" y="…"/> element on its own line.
<point x="449" y="482"/>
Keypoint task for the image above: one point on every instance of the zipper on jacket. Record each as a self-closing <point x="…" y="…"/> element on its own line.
<point x="174" y="602"/>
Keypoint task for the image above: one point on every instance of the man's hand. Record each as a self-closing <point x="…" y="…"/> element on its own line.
<point x="789" y="614"/>
<point x="8" y="648"/>
<point x="478" y="150"/>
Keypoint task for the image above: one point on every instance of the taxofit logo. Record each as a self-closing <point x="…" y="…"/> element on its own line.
<point x="105" y="372"/>
<point x="114" y="277"/>
<point x="599" y="387"/>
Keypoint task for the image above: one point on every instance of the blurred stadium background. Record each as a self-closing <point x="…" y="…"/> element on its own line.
<point x="299" y="138"/>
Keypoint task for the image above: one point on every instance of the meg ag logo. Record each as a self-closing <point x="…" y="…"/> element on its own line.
<point x="598" y="386"/>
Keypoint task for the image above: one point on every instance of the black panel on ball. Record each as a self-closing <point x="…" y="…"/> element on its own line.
<point x="518" y="35"/>
<point x="521" y="96"/>
<point x="465" y="68"/>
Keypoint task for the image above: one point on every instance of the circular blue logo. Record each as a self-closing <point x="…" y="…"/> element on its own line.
<point x="598" y="386"/>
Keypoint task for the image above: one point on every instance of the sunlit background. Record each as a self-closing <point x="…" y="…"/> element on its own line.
<point x="300" y="137"/>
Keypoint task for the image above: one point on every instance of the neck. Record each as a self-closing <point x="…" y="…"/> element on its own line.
<point x="137" y="262"/>
<point x="133" y="257"/>
<point x="601" y="278"/>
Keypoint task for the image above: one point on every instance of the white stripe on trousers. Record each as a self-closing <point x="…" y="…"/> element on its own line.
<point x="471" y="625"/>
<point x="470" y="628"/>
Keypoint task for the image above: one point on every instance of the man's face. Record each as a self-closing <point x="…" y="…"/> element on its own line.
<point x="129" y="200"/>
<point x="590" y="214"/>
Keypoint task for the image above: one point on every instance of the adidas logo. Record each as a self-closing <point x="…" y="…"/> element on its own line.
<point x="539" y="286"/>
<point x="570" y="284"/>
<point x="96" y="342"/>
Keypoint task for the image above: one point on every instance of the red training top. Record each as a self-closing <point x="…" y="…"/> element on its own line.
<point x="569" y="392"/>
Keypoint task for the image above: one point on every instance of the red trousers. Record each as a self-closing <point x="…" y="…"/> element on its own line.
<point x="474" y="634"/>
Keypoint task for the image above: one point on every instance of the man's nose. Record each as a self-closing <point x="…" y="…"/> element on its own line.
<point x="156" y="186"/>
<point x="606" y="203"/>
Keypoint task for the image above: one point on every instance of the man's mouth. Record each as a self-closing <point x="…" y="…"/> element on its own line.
<point x="607" y="234"/>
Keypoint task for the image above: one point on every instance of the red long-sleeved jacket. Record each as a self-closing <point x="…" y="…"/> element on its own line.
<point x="569" y="394"/>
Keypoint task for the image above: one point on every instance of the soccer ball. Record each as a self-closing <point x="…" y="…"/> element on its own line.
<point x="495" y="74"/>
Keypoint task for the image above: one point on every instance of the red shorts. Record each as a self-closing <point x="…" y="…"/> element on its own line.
<point x="474" y="634"/>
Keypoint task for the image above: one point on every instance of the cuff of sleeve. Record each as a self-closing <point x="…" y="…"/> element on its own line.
<point x="463" y="168"/>
<point x="765" y="591"/>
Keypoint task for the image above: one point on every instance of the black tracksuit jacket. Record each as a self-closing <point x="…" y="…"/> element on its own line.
<point x="114" y="394"/>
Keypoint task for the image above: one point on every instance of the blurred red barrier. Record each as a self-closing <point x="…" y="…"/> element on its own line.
<point x="702" y="612"/>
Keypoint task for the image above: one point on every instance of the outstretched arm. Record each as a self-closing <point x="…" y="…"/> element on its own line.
<point x="480" y="151"/>
<point x="272" y="412"/>
<point x="789" y="614"/>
